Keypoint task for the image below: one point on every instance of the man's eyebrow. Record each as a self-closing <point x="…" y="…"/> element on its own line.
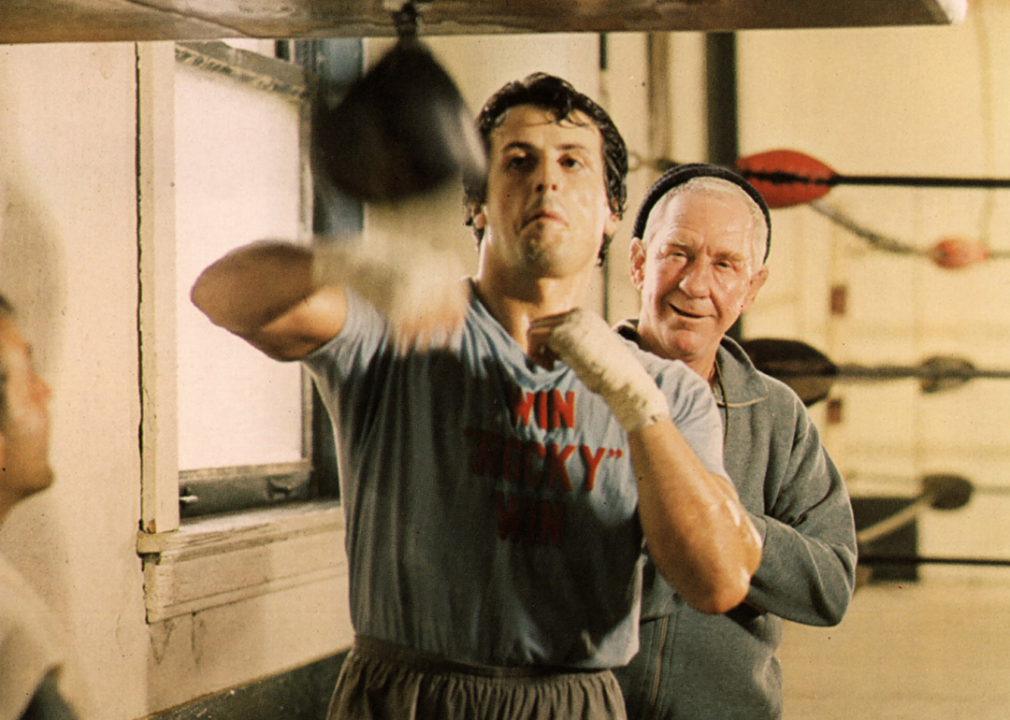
<point x="670" y="241"/>
<point x="567" y="147"/>
<point x="517" y="145"/>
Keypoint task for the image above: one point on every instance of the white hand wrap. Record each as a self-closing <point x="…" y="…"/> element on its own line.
<point x="603" y="361"/>
<point x="414" y="289"/>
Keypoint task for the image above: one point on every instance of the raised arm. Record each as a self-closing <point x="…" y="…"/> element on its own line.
<point x="699" y="535"/>
<point x="266" y="294"/>
<point x="288" y="299"/>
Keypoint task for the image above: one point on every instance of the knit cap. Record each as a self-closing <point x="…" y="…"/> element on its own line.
<point x="680" y="175"/>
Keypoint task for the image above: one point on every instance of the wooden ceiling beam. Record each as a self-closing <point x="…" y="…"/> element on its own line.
<point x="39" y="21"/>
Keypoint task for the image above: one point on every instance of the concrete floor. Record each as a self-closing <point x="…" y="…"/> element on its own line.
<point x="937" y="649"/>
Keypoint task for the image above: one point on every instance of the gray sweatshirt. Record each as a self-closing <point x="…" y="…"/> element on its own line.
<point x="692" y="665"/>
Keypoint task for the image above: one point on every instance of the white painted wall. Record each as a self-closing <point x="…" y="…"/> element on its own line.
<point x="68" y="260"/>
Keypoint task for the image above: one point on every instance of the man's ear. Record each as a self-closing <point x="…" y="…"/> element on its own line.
<point x="613" y="222"/>
<point x="757" y="281"/>
<point x="478" y="217"/>
<point x="636" y="256"/>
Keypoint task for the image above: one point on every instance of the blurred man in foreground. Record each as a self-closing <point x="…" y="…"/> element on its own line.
<point x="33" y="666"/>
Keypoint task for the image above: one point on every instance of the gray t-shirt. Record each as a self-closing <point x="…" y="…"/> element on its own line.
<point x="491" y="504"/>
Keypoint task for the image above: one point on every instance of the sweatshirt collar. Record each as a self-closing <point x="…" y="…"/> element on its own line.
<point x="742" y="382"/>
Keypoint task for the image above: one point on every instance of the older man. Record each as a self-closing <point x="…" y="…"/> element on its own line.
<point x="494" y="530"/>
<point x="701" y="239"/>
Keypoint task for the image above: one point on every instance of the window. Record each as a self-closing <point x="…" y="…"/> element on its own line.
<point x="239" y="176"/>
<point x="241" y="173"/>
<point x="224" y="428"/>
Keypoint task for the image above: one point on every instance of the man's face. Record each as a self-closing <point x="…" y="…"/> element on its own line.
<point x="695" y="272"/>
<point x="24" y="435"/>
<point x="547" y="207"/>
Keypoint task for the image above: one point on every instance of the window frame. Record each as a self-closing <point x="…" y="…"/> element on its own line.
<point x="213" y="490"/>
<point x="199" y="563"/>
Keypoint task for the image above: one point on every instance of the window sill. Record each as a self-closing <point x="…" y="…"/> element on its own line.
<point x="210" y="562"/>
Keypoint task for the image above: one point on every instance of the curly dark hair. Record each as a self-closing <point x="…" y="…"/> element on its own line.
<point x="562" y="100"/>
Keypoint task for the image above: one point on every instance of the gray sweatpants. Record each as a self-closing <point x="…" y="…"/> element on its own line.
<point x="380" y="681"/>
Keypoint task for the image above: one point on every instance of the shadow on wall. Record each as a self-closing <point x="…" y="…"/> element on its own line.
<point x="31" y="265"/>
